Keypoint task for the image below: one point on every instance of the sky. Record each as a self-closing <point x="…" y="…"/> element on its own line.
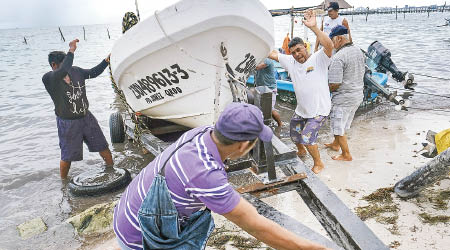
<point x="48" y="13"/>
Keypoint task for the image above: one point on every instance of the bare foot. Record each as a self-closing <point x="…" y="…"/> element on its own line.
<point x="317" y="168"/>
<point x="301" y="153"/>
<point x="342" y="158"/>
<point x="332" y="146"/>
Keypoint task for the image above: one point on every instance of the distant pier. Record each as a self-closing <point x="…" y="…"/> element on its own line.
<point x="393" y="10"/>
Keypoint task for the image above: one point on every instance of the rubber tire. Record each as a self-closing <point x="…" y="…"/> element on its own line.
<point x="95" y="190"/>
<point x="116" y="128"/>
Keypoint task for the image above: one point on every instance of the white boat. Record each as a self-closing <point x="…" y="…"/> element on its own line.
<point x="175" y="65"/>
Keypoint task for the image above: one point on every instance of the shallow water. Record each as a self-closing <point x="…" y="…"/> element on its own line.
<point x="30" y="185"/>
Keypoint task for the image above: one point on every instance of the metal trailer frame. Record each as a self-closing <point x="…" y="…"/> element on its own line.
<point x="267" y="161"/>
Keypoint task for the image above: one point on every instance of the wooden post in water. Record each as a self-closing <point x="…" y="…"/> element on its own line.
<point x="367" y="13"/>
<point x="62" y="36"/>
<point x="292" y="22"/>
<point x="107" y="30"/>
<point x="395" y="12"/>
<point x="353" y="11"/>
<point x="25" y="40"/>
<point x="84" y="33"/>
<point x="428" y="11"/>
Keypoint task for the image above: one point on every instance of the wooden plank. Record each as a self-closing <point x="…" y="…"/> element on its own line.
<point x="153" y="144"/>
<point x="260" y="187"/>
<point x="288" y="222"/>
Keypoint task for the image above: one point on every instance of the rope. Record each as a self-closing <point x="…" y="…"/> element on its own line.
<point x="424" y="93"/>
<point x="128" y="21"/>
<point x="237" y="80"/>
<point x="180" y="48"/>
<point x="435" y="77"/>
<point x="138" y="124"/>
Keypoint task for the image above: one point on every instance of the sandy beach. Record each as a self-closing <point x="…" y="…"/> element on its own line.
<point x="385" y="145"/>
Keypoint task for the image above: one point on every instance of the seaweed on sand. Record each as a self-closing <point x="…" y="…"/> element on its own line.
<point x="380" y="195"/>
<point x="427" y="218"/>
<point x="220" y="237"/>
<point x="375" y="211"/>
<point x="380" y="203"/>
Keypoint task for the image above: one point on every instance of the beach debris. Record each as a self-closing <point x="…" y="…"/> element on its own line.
<point x="220" y="237"/>
<point x="382" y="208"/>
<point x="439" y="200"/>
<point x="427" y="218"/>
<point x="430" y="136"/>
<point x="94" y="220"/>
<point x="394" y="244"/>
<point x="428" y="174"/>
<point x="430" y="150"/>
<point x="375" y="211"/>
<point x="380" y="195"/>
<point x="31" y="228"/>
<point x="351" y="191"/>
<point x="430" y="147"/>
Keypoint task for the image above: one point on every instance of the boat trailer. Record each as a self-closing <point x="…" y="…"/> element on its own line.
<point x="272" y="168"/>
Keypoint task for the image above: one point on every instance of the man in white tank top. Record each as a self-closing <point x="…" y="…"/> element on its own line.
<point x="332" y="20"/>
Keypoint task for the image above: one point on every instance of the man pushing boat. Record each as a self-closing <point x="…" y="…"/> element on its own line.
<point x="66" y="86"/>
<point x="309" y="74"/>
<point x="164" y="206"/>
<point x="346" y="76"/>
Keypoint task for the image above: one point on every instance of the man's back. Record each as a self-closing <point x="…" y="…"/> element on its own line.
<point x="266" y="76"/>
<point x="347" y="68"/>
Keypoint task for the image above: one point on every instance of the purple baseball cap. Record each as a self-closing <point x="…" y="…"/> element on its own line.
<point x="243" y="122"/>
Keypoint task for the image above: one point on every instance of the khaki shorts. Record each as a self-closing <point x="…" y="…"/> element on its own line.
<point x="341" y="118"/>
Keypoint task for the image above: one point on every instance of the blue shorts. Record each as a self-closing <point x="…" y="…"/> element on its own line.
<point x="305" y="130"/>
<point x="72" y="134"/>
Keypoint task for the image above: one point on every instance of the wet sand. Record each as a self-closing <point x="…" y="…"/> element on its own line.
<point x="384" y="144"/>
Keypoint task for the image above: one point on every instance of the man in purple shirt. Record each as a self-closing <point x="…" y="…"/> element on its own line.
<point x="163" y="207"/>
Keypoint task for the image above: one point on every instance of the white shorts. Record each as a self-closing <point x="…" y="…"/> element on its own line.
<point x="341" y="118"/>
<point x="274" y="97"/>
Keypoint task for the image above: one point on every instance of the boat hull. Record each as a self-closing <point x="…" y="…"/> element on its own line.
<point x="176" y="65"/>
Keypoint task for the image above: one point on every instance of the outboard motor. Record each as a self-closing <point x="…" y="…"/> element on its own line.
<point x="379" y="59"/>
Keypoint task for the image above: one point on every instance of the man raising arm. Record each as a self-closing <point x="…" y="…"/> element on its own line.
<point x="309" y="75"/>
<point x="76" y="124"/>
